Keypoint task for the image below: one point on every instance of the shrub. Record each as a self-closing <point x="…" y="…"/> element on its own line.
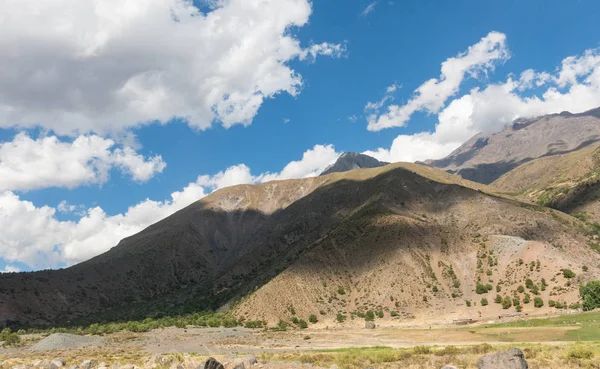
<point x="590" y="293"/>
<point x="498" y="299"/>
<point x="422" y="350"/>
<point x="394" y="313"/>
<point x="568" y="273"/>
<point x="551" y="303"/>
<point x="380" y="314"/>
<point x="254" y="324"/>
<point x="282" y="325"/>
<point x="528" y="283"/>
<point x="481" y="289"/>
<point x="488" y="272"/>
<point x="506" y="302"/>
<point x="455" y="283"/>
<point x="302" y="324"/>
<point x="575" y="305"/>
<point x="468" y="303"/>
<point x="584" y="268"/>
<point x="370" y="316"/>
<point x="313" y="318"/>
<point x="498" y="288"/>
<point x="519" y="308"/>
<point x="516" y="301"/>
<point x="340" y="317"/>
<point x="341" y="291"/>
<point x="527" y="298"/>
<point x="580" y="353"/>
<point x="11" y="339"/>
<point x="295" y="320"/>
<point x="484" y="302"/>
<point x="538" y="302"/>
<point x="435" y="289"/>
<point x="520" y="289"/>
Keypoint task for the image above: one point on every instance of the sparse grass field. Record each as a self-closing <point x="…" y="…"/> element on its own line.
<point x="566" y="341"/>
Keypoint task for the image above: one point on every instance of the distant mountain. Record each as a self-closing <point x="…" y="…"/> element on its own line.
<point x="353" y="160"/>
<point x="567" y="182"/>
<point x="406" y="240"/>
<point x="486" y="157"/>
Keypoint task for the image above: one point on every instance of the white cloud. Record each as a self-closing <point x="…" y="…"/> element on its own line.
<point x="27" y="164"/>
<point x="34" y="236"/>
<point x="285" y="120"/>
<point x="353" y="118"/>
<point x="370" y="8"/>
<point x="10" y="269"/>
<point x="84" y="66"/>
<point x="432" y="95"/>
<point x="574" y="87"/>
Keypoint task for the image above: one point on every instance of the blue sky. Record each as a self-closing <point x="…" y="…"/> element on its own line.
<point x="151" y="139"/>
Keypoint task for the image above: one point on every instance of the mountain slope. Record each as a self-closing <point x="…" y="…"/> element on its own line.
<point x="381" y="233"/>
<point x="568" y="182"/>
<point x="484" y="158"/>
<point x="352" y="160"/>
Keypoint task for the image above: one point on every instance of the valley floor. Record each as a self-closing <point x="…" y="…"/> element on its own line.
<point x="556" y="342"/>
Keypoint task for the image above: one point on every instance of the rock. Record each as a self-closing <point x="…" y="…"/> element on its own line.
<point x="88" y="364"/>
<point x="41" y="364"/>
<point x="158" y="360"/>
<point x="59" y="362"/>
<point x="211" y="363"/>
<point x="116" y="365"/>
<point x="129" y="366"/>
<point x="333" y="366"/>
<point x="240" y="366"/>
<point x="176" y="366"/>
<point x="251" y="360"/>
<point x="509" y="359"/>
<point x="449" y="367"/>
<point x="369" y="325"/>
<point x="307" y="365"/>
<point x="52" y="366"/>
<point x="74" y="367"/>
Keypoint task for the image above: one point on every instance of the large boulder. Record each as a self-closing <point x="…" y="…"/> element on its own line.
<point x="509" y="359"/>
<point x="369" y="324"/>
<point x="212" y="363"/>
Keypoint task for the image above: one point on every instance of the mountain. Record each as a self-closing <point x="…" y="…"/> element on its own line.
<point x="353" y="160"/>
<point x="568" y="182"/>
<point x="486" y="157"/>
<point x="411" y="241"/>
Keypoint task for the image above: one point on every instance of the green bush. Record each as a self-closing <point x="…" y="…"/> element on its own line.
<point x="380" y="314"/>
<point x="538" y="302"/>
<point x="435" y="289"/>
<point x="302" y="324"/>
<point x="520" y="289"/>
<point x="506" y="302"/>
<point x="282" y="325"/>
<point x="590" y="294"/>
<point x="568" y="273"/>
<point x="370" y="315"/>
<point x="580" y="353"/>
<point x="484" y="302"/>
<point x="422" y="350"/>
<point x="11" y="339"/>
<point x="313" y="318"/>
<point x="527" y="298"/>
<point x="468" y="303"/>
<point x="295" y="320"/>
<point x="481" y="289"/>
<point x="498" y="299"/>
<point x="340" y="317"/>
<point x="254" y="324"/>
<point x="519" y="308"/>
<point x="341" y="291"/>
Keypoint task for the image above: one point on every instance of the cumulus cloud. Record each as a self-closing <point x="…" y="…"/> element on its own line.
<point x="432" y="95"/>
<point x="27" y="164"/>
<point x="573" y="87"/>
<point x="10" y="269"/>
<point x="34" y="236"/>
<point x="106" y="66"/>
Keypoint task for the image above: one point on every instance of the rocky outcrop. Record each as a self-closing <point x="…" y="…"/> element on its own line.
<point x="353" y="160"/>
<point x="510" y="359"/>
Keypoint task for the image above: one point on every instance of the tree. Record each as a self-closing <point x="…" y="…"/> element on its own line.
<point x="590" y="293"/>
<point x="538" y="302"/>
<point x="527" y="298"/>
<point x="313" y="318"/>
<point x="484" y="302"/>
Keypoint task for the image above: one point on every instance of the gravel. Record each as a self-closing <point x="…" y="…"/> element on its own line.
<point x="61" y="341"/>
